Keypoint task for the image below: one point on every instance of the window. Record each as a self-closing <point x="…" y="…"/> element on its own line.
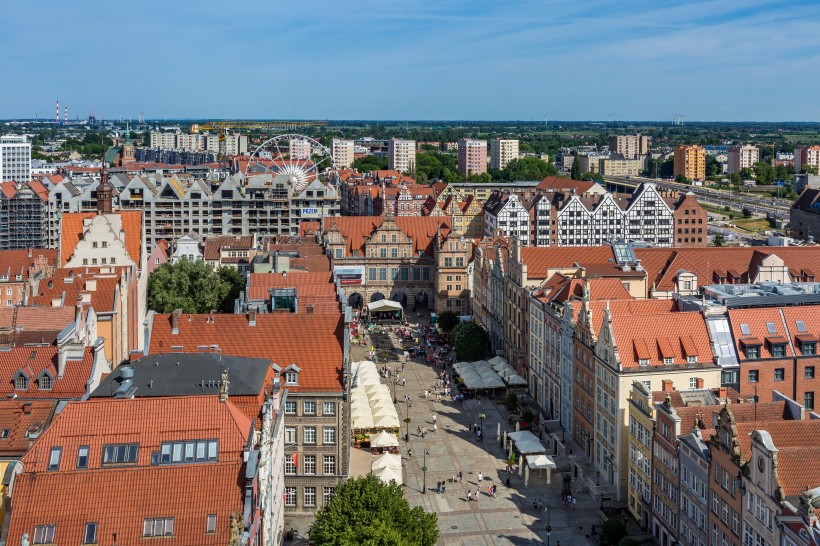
<point x="643" y="362"/>
<point x="667" y="361"/>
<point x="329" y="466"/>
<point x="90" y="536"/>
<point x="290" y="465"/>
<point x="21" y="382"/>
<point x="754" y="376"/>
<point x="290" y="435"/>
<point x="290" y="407"/>
<point x="210" y="523"/>
<point x="808" y="400"/>
<point x="5" y="433"/>
<point x="310" y="496"/>
<point x="809" y="373"/>
<point x="309" y="408"/>
<point x="692" y="359"/>
<point x="44" y="382"/>
<point x="44" y="534"/>
<point x="329" y="435"/>
<point x="329" y="408"/>
<point x="158" y="527"/>
<point x="693" y="382"/>
<point x="120" y="453"/>
<point x="808" y="348"/>
<point x="290" y="496"/>
<point x="779" y="374"/>
<point x="291" y="378"/>
<point x="327" y="494"/>
<point x="54" y="459"/>
<point x="309" y="435"/>
<point x="191" y="451"/>
<point x="310" y="464"/>
<point x="778" y="350"/>
<point x="752" y="351"/>
<point x="82" y="458"/>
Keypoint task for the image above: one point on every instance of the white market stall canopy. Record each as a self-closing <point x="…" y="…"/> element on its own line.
<point x="539" y="462"/>
<point x="387" y="467"/>
<point x="526" y="442"/>
<point x="389" y="474"/>
<point x="384" y="439"/>
<point x="383" y="305"/>
<point x="478" y="375"/>
<point x="371" y="405"/>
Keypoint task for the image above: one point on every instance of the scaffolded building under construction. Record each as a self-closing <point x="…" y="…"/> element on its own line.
<point x="23" y="216"/>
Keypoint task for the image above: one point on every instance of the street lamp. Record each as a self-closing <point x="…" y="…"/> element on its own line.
<point x="549" y="527"/>
<point x="481" y="417"/>
<point x="407" y="420"/>
<point x="424" y="470"/>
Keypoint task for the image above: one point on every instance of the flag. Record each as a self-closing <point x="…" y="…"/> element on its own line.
<point x="295" y="459"/>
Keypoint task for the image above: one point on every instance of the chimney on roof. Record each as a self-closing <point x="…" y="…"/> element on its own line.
<point x="666" y="385"/>
<point x="723" y="393"/>
<point x="309" y="309"/>
<point x="176" y="318"/>
<point x="223" y="386"/>
<point x="29" y="252"/>
<point x="27" y="408"/>
<point x="91" y="284"/>
<point x="251" y="317"/>
<point x="699" y="382"/>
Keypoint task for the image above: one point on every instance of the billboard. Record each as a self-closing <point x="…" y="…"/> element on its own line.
<point x="313" y="212"/>
<point x="349" y="274"/>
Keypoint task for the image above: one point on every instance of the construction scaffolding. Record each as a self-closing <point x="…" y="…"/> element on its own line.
<point x="23" y="218"/>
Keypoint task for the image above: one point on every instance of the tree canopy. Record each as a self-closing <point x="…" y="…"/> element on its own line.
<point x="575" y="172"/>
<point x="470" y="340"/>
<point x="447" y="320"/>
<point x="527" y="168"/>
<point x="194" y="287"/>
<point x="367" y="511"/>
<point x="369" y="163"/>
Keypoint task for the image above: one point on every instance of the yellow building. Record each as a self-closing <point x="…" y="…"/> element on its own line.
<point x="690" y="161"/>
<point x="641" y="421"/>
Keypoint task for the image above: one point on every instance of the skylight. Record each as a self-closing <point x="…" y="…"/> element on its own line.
<point x="770" y="327"/>
<point x="744" y="329"/>
<point x="801" y="326"/>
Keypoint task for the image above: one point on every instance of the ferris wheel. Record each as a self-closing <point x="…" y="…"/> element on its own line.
<point x="300" y="158"/>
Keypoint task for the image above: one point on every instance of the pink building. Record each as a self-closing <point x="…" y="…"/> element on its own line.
<point x="472" y="156"/>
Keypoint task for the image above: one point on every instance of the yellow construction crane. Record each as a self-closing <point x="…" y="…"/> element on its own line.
<point x="279" y="125"/>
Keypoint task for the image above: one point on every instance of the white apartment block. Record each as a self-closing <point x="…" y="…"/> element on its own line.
<point x="299" y="148"/>
<point x="612" y="166"/>
<point x="232" y="144"/>
<point x="343" y="152"/>
<point x="191" y="143"/>
<point x="502" y="151"/>
<point x="15" y="159"/>
<point x="164" y="140"/>
<point x="629" y="146"/>
<point x="806" y="155"/>
<point x="742" y="157"/>
<point x="401" y="155"/>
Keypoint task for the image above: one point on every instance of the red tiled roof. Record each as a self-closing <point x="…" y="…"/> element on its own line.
<point x="312" y="264"/>
<point x="22" y="418"/>
<point x="539" y="259"/>
<point x="66" y="288"/>
<point x="281" y="338"/>
<point x="72" y="233"/>
<point x="785" y="434"/>
<point x="37" y="318"/>
<point x="213" y="245"/>
<point x="260" y="284"/>
<point x="798" y="468"/>
<point x="119" y="498"/>
<point x="33" y="361"/>
<point x="422" y="229"/>
<point x="18" y="262"/>
<point x="559" y="183"/>
<point x="311" y="226"/>
<point x="9" y="188"/>
<point x="757" y="320"/>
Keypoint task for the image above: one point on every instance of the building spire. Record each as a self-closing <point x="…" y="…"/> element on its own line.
<point x="104" y="191"/>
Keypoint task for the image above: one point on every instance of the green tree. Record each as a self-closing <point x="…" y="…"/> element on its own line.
<point x="575" y="173"/>
<point x="712" y="166"/>
<point x="735" y="178"/>
<point x="613" y="531"/>
<point x="369" y="163"/>
<point x="194" y="287"/>
<point x="808" y="169"/>
<point x="764" y="173"/>
<point x="470" y="341"/>
<point x="368" y="511"/>
<point x="680" y="179"/>
<point x="719" y="240"/>
<point x="527" y="168"/>
<point x="746" y="173"/>
<point x="448" y="320"/>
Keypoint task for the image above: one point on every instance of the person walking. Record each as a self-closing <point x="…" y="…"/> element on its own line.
<point x="435" y="427"/>
<point x="480" y="477"/>
<point x="495" y="489"/>
<point x="409" y="453"/>
<point x="435" y="418"/>
<point x="573" y="503"/>
<point x="469" y="495"/>
<point x="459" y="476"/>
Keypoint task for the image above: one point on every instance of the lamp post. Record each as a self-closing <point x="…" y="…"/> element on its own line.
<point x="407" y="421"/>
<point x="549" y="526"/>
<point x="394" y="391"/>
<point x="481" y="417"/>
<point x="424" y="470"/>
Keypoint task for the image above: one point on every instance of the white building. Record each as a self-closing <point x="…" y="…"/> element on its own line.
<point x="164" y="140"/>
<point x="186" y="247"/>
<point x="502" y="151"/>
<point x="742" y="157"/>
<point x="806" y="156"/>
<point x="299" y="148"/>
<point x="506" y="213"/>
<point x="343" y="152"/>
<point x="401" y="155"/>
<point x="15" y="158"/>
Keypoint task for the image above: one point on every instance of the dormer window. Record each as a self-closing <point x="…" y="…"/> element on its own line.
<point x="643" y="362"/>
<point x="667" y="361"/>
<point x="291" y="378"/>
<point x="691" y="359"/>
<point x="778" y="350"/>
<point x="21" y="382"/>
<point x="45" y="382"/>
<point x="808" y="348"/>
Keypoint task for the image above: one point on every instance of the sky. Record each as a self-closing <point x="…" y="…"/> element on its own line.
<point x="725" y="60"/>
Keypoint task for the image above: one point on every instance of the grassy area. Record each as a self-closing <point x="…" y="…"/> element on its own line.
<point x="714" y="209"/>
<point x="752" y="224"/>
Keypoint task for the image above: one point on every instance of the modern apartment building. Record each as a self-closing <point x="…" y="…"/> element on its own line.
<point x="806" y="156"/>
<point x="742" y="156"/>
<point x="222" y="144"/>
<point x="614" y="166"/>
<point x="629" y="146"/>
<point x="502" y="151"/>
<point x="472" y="156"/>
<point x="343" y="153"/>
<point x="299" y="148"/>
<point x="15" y="158"/>
<point x="401" y="155"/>
<point x="690" y="162"/>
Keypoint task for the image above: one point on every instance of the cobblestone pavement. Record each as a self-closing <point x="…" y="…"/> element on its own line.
<point x="510" y="518"/>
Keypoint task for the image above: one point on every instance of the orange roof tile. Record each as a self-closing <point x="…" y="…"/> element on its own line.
<point x="24" y="422"/>
<point x="422" y="229"/>
<point x="260" y="284"/>
<point x="33" y="362"/>
<point x="277" y="337"/>
<point x="72" y="233"/>
<point x="119" y="498"/>
<point x="757" y="321"/>
<point x="214" y="245"/>
<point x="67" y="288"/>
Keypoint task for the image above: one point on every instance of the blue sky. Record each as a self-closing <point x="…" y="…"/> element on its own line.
<point x="416" y="59"/>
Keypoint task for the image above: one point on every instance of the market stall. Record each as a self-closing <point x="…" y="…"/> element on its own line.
<point x="384" y="311"/>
